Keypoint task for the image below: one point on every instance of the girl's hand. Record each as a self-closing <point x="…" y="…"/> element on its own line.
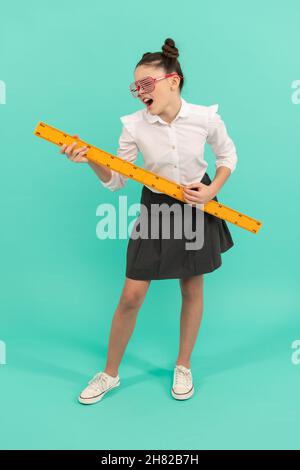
<point x="77" y="155"/>
<point x="201" y="193"/>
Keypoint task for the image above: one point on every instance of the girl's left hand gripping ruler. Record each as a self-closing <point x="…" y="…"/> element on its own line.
<point x="171" y="188"/>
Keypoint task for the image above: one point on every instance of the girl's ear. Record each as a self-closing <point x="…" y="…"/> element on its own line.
<point x="175" y="80"/>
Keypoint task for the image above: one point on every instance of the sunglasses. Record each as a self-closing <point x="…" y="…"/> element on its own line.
<point x="147" y="84"/>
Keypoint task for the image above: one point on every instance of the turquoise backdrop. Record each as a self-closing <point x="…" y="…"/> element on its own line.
<point x="70" y="64"/>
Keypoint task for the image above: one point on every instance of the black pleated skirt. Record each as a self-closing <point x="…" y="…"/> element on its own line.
<point x="151" y="257"/>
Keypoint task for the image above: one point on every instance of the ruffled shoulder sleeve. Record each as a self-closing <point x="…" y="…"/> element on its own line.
<point x="219" y="139"/>
<point x="129" y="121"/>
<point x="212" y="111"/>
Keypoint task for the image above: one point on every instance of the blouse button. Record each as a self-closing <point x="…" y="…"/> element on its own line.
<point x="173" y="146"/>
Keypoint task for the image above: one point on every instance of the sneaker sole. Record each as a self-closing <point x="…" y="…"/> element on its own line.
<point x="91" y="401"/>
<point x="183" y="396"/>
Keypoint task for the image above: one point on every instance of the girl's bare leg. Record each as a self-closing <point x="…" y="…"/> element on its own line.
<point x="123" y="322"/>
<point x="191" y="315"/>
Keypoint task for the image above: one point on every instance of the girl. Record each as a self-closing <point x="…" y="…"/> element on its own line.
<point x="171" y="134"/>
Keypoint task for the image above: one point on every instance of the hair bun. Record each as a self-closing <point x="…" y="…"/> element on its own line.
<point x="169" y="49"/>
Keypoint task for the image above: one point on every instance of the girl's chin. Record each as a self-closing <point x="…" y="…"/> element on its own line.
<point x="150" y="108"/>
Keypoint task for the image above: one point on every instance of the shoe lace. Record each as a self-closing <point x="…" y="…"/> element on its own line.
<point x="182" y="376"/>
<point x="99" y="381"/>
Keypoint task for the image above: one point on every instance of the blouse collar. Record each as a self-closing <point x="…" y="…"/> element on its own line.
<point x="184" y="111"/>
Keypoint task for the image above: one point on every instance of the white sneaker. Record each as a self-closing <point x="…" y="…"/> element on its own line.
<point x="183" y="387"/>
<point x="98" y="386"/>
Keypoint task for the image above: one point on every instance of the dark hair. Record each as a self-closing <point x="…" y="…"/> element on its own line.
<point x="167" y="59"/>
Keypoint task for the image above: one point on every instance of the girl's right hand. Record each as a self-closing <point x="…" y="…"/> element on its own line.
<point x="77" y="155"/>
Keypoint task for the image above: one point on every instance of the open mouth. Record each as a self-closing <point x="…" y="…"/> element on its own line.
<point x="148" y="102"/>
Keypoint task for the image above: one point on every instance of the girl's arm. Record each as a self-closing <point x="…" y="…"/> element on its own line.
<point x="103" y="173"/>
<point x="127" y="150"/>
<point x="222" y="174"/>
<point x="223" y="148"/>
<point x="79" y="156"/>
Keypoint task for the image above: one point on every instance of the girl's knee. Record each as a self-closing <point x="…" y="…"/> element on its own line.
<point x="190" y="287"/>
<point x="132" y="299"/>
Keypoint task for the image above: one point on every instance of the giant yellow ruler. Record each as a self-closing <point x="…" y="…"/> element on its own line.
<point x="148" y="178"/>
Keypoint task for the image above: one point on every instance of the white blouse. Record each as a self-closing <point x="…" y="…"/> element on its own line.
<point x="176" y="150"/>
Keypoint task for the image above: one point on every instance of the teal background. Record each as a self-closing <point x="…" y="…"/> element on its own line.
<point x="70" y="65"/>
